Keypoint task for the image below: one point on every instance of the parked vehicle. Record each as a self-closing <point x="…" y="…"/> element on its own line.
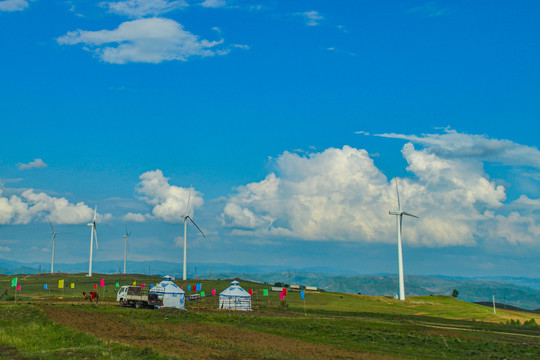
<point x="134" y="296"/>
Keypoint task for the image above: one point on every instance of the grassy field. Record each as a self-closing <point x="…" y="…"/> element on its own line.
<point x="57" y="323"/>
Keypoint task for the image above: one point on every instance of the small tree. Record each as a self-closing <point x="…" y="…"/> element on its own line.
<point x="455" y="293"/>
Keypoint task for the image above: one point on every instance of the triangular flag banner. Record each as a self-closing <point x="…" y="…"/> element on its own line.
<point x="250" y="291"/>
<point x="143" y="285"/>
<point x="117" y="284"/>
<point x="202" y="294"/>
<point x="281" y="296"/>
<point x="213" y="292"/>
<point x="265" y="292"/>
<point x="14" y="282"/>
<point x="302" y="295"/>
<point x="19" y="287"/>
<point x="199" y="287"/>
<point x="44" y="286"/>
<point x="73" y="285"/>
<point x="102" y="282"/>
<point x="95" y="286"/>
<point x="189" y="288"/>
<point x="60" y="284"/>
<point x="134" y="283"/>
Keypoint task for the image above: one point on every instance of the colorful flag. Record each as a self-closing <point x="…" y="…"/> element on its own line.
<point x="281" y="296"/>
<point x="181" y="288"/>
<point x="14" y="282"/>
<point x="250" y="291"/>
<point x="202" y="294"/>
<point x="95" y="286"/>
<point x="73" y="285"/>
<point x="302" y="295"/>
<point x="199" y="287"/>
<point x="213" y="292"/>
<point x="19" y="287"/>
<point x="60" y="284"/>
<point x="284" y="292"/>
<point x="117" y="284"/>
<point x="102" y="282"/>
<point x="265" y="292"/>
<point x="45" y="287"/>
<point x="134" y="283"/>
<point x="189" y="288"/>
<point x="152" y="285"/>
<point x="143" y="285"/>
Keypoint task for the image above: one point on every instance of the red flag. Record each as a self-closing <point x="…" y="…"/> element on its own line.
<point x="101" y="283"/>
<point x="284" y="292"/>
<point x="213" y="292"/>
<point x="95" y="286"/>
<point x="281" y="296"/>
<point x="143" y="285"/>
<point x="250" y="292"/>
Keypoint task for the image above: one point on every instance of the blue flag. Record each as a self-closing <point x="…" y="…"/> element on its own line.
<point x="151" y="286"/>
<point x="302" y="295"/>
<point x="199" y="287"/>
<point x="189" y="288"/>
<point x="45" y="286"/>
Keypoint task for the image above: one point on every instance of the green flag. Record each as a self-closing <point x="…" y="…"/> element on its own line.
<point x="265" y="292"/>
<point x="14" y="282"/>
<point x="202" y="294"/>
<point x="117" y="284"/>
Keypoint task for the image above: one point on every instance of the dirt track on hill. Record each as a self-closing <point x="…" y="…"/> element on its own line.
<point x="198" y="341"/>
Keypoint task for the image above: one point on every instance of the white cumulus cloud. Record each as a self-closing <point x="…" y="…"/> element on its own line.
<point x="339" y="194"/>
<point x="135" y="217"/>
<point x="142" y="8"/>
<point x="170" y="202"/>
<point x="152" y="40"/>
<point x="13" y="5"/>
<point x="37" y="163"/>
<point x="31" y="205"/>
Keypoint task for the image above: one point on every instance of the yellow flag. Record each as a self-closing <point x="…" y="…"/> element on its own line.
<point x="60" y="284"/>
<point x="134" y="283"/>
<point x="73" y="285"/>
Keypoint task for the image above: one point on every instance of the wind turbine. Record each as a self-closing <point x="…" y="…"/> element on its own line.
<point x="92" y="233"/>
<point x="186" y="217"/>
<point x="399" y="219"/>
<point x="125" y="248"/>
<point x="53" y="244"/>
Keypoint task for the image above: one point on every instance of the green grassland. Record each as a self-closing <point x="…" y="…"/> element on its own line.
<point x="58" y="323"/>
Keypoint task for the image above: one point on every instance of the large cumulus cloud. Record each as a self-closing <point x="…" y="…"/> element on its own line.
<point x="340" y="194"/>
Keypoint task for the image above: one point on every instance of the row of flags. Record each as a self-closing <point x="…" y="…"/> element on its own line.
<point x="197" y="287"/>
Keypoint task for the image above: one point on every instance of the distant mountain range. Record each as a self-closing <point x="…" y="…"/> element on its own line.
<point x="517" y="291"/>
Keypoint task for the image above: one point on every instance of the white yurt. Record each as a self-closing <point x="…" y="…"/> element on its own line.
<point x="167" y="294"/>
<point x="235" y="298"/>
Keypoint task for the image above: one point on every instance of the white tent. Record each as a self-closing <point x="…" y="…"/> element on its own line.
<point x="167" y="294"/>
<point x="235" y="298"/>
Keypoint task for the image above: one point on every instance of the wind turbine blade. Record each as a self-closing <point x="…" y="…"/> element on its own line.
<point x="95" y="213"/>
<point x="187" y="205"/>
<point x="397" y="192"/>
<point x="95" y="235"/>
<point x="408" y="214"/>
<point x="52" y="227"/>
<point x="197" y="226"/>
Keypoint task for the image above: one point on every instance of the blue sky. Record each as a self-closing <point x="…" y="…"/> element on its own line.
<point x="290" y="121"/>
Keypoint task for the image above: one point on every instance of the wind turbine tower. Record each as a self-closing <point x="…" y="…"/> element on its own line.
<point x="399" y="219"/>
<point x="125" y="248"/>
<point x="92" y="233"/>
<point x="186" y="217"/>
<point x="53" y="245"/>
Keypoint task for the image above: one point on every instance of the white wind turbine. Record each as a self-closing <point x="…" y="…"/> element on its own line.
<point x="399" y="219"/>
<point x="186" y="217"/>
<point x="54" y="233"/>
<point x="125" y="247"/>
<point x="92" y="233"/>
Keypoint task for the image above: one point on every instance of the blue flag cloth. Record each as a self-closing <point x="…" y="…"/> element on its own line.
<point x="302" y="295"/>
<point x="189" y="288"/>
<point x="45" y="286"/>
<point x="151" y="286"/>
<point x="199" y="287"/>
